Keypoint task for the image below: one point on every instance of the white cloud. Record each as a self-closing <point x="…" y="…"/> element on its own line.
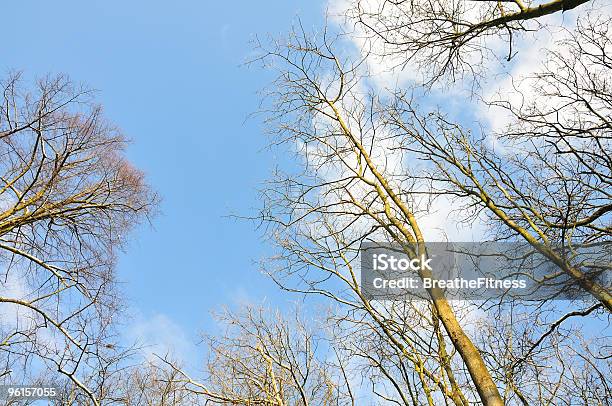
<point x="160" y="335"/>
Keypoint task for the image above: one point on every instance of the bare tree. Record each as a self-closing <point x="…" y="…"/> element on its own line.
<point x="552" y="189"/>
<point x="68" y="198"/>
<point x="263" y="358"/>
<point x="349" y="192"/>
<point x="447" y="39"/>
<point x="548" y="356"/>
<point x="148" y="383"/>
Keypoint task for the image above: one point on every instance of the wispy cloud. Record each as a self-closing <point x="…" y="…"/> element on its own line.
<point x="159" y="335"/>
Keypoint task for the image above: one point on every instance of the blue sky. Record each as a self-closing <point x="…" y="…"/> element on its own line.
<point x="169" y="75"/>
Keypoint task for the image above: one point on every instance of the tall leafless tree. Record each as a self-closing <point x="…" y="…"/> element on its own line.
<point x="545" y="177"/>
<point x="68" y="199"/>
